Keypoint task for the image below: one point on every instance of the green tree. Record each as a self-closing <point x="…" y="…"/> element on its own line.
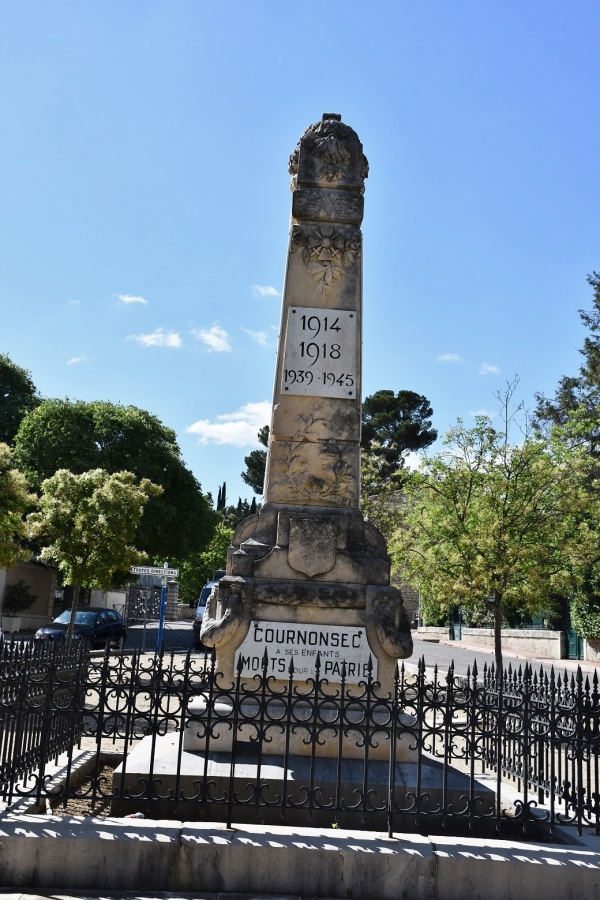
<point x="233" y="515"/>
<point x="577" y="433"/>
<point x="222" y="497"/>
<point x="195" y="571"/>
<point x="18" y="396"/>
<point x="575" y="408"/>
<point x="87" y="524"/>
<point x="583" y="390"/>
<point x="256" y="463"/>
<point x="489" y="524"/>
<point x="15" y="500"/>
<point x="81" y="436"/>
<point x="381" y="497"/>
<point x="394" y="425"/>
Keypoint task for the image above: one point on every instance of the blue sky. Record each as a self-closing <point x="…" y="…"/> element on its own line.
<point x="144" y="205"/>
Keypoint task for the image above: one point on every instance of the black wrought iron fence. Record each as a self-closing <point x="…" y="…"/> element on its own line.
<point x="40" y="704"/>
<point x="473" y="751"/>
<point x="142" y="605"/>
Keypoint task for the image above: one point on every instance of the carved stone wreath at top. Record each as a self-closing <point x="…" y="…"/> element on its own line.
<point x="326" y="253"/>
<point x="331" y="150"/>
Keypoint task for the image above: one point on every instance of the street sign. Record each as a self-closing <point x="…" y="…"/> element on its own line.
<point x="154" y="570"/>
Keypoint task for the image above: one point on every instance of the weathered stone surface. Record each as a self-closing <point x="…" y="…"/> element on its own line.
<point x="392" y="624"/>
<point x="320" y="473"/>
<point x="301" y="593"/>
<point x="333" y="206"/>
<point x="316" y="418"/>
<point x="226" y="610"/>
<point x="309" y="556"/>
<point x="324" y="266"/>
<point x="312" y="546"/>
<point x="330" y="154"/>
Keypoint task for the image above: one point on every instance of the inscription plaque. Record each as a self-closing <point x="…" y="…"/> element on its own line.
<point x="286" y="641"/>
<point x="320" y="353"/>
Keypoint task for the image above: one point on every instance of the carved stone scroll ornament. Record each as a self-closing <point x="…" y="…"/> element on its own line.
<point x="219" y="629"/>
<point x="392" y="625"/>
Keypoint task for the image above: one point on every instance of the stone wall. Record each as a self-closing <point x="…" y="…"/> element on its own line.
<point x="537" y="642"/>
<point x="592" y="651"/>
<point x="436" y="633"/>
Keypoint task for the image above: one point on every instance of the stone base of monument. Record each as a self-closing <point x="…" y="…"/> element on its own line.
<point x="344" y="742"/>
<point x="180" y="773"/>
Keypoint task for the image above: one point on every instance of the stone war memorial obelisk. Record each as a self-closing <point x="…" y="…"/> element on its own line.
<point x="307" y="574"/>
<point x="307" y="577"/>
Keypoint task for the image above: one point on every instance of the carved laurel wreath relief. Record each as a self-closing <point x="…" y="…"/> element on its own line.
<point x="331" y="482"/>
<point x="326" y="253"/>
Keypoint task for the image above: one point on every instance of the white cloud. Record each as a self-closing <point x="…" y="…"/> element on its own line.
<point x="264" y="290"/>
<point x="488" y="369"/>
<point x="482" y="412"/>
<point x="238" y="429"/>
<point x="215" y="338"/>
<point x="75" y="302"/>
<point x="449" y="358"/>
<point x="158" y="338"/>
<point x="261" y="337"/>
<point x="128" y="298"/>
<point x="77" y="359"/>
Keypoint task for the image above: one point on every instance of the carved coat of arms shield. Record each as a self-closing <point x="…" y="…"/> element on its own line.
<point x="312" y="545"/>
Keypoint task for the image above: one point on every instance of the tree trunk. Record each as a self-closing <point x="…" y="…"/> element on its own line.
<point x="498" y="632"/>
<point x="73" y="613"/>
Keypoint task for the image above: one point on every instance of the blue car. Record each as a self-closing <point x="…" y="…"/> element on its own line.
<point x="102" y="626"/>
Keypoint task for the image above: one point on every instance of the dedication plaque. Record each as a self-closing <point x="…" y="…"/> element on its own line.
<point x="320" y="353"/>
<point x="285" y="641"/>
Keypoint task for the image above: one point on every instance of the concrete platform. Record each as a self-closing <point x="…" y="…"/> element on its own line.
<point x="75" y="856"/>
<point x="216" y="768"/>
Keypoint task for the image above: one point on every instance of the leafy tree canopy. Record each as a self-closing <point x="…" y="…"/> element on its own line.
<point x="489" y="519"/>
<point x="87" y="524"/>
<point x="256" y="463"/>
<point x="199" y="568"/>
<point x="81" y="436"/>
<point x="18" y="395"/>
<point x="581" y="390"/>
<point x="15" y="500"/>
<point x="394" y="425"/>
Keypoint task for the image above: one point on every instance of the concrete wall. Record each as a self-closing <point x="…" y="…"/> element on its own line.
<point x="42" y="582"/>
<point x="541" y="643"/>
<point x="52" y="852"/>
<point x="109" y="600"/>
<point x="435" y="632"/>
<point x="591" y="651"/>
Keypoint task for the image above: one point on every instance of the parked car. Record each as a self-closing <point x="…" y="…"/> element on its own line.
<point x="200" y="609"/>
<point x="101" y="626"/>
